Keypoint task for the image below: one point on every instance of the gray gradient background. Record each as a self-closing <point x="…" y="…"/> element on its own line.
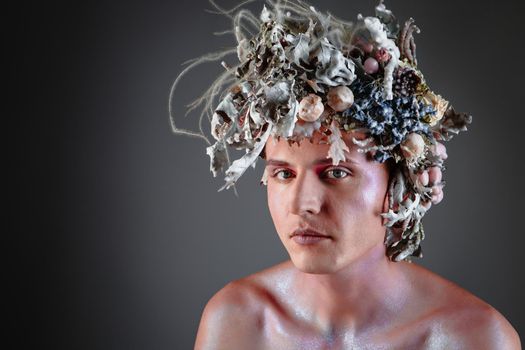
<point x="121" y="234"/>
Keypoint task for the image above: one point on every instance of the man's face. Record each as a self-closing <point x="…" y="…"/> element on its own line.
<point x="344" y="202"/>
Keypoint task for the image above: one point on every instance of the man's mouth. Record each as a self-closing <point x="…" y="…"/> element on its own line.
<point x="309" y="236"/>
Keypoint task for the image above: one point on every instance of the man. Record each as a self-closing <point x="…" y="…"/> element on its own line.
<point x="351" y="134"/>
<point x="339" y="290"/>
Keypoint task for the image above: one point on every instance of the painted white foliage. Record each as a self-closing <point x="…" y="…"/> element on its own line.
<point x="286" y="125"/>
<point x="404" y="212"/>
<point x="335" y="69"/>
<point x="218" y="158"/>
<point x="278" y="93"/>
<point x="299" y="51"/>
<point x="220" y="126"/>
<point x="238" y="167"/>
<point x="379" y="35"/>
<point x="243" y="46"/>
<point x="337" y="144"/>
<point x="266" y="16"/>
<point x="255" y="115"/>
<point x="306" y="129"/>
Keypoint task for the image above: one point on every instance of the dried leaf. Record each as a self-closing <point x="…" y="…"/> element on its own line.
<point x="278" y="93"/>
<point x="301" y="51"/>
<point x="387" y="18"/>
<point x="337" y="144"/>
<point x="218" y="157"/>
<point x="285" y="126"/>
<point x="334" y="68"/>
<point x="239" y="166"/>
<point x="404" y="212"/>
<point x="255" y="115"/>
<point x="452" y="123"/>
<point x="266" y="16"/>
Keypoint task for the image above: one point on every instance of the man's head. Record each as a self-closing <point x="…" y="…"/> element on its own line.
<point x="304" y="74"/>
<point x="344" y="202"/>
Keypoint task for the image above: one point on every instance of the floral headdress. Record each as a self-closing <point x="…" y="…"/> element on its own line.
<point x="304" y="71"/>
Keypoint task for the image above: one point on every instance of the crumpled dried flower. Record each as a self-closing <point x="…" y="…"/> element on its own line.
<point x="406" y="81"/>
<point x="413" y="146"/>
<point x="382" y="55"/>
<point x="439" y="104"/>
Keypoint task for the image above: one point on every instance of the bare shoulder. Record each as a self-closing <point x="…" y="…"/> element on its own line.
<point x="231" y="319"/>
<point x="477" y="325"/>
<point x="234" y="317"/>
<point x="458" y="317"/>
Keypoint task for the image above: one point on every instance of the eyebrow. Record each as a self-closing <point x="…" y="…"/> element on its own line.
<point x="277" y="162"/>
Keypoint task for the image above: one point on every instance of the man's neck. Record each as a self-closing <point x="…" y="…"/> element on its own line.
<point x="362" y="293"/>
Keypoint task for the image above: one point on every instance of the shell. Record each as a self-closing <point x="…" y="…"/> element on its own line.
<point x="423" y="177"/>
<point x="340" y="98"/>
<point x="439" y="150"/>
<point x="413" y="146"/>
<point x="437" y="194"/>
<point x="310" y="108"/>
<point x="434" y="175"/>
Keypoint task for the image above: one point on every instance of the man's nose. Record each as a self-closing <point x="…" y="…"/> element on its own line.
<point x="307" y="194"/>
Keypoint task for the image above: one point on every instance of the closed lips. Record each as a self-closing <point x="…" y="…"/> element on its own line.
<point x="308" y="232"/>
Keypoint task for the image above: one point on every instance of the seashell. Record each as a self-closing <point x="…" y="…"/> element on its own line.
<point x="340" y="98"/>
<point x="437" y="194"/>
<point x="439" y="150"/>
<point x="413" y="146"/>
<point x="435" y="175"/>
<point x="310" y="108"/>
<point x="423" y="178"/>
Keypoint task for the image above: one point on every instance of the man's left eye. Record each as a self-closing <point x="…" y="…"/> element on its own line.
<point x="337" y="173"/>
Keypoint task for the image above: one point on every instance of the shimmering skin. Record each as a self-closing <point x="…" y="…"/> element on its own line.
<point x="342" y="293"/>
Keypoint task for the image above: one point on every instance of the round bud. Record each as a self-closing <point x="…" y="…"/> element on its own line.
<point x="340" y="98"/>
<point x="310" y="108"/>
<point x="371" y="65"/>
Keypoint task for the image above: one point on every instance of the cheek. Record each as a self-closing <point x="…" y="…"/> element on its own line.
<point x="373" y="198"/>
<point x="275" y="205"/>
<point x="363" y="202"/>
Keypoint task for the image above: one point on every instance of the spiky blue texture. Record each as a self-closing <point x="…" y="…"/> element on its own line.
<point x="389" y="121"/>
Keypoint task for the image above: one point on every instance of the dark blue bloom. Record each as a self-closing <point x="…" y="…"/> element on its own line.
<point x="389" y="121"/>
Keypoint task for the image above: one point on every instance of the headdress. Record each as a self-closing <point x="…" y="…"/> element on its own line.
<point x="301" y="71"/>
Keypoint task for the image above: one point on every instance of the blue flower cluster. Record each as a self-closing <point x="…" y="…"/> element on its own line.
<point x="389" y="121"/>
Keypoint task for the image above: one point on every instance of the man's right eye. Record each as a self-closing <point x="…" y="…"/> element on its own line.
<point x="282" y="174"/>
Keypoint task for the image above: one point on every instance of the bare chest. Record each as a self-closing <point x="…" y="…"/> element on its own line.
<point x="287" y="332"/>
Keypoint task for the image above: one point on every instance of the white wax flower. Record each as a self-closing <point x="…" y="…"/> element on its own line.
<point x="379" y="35"/>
